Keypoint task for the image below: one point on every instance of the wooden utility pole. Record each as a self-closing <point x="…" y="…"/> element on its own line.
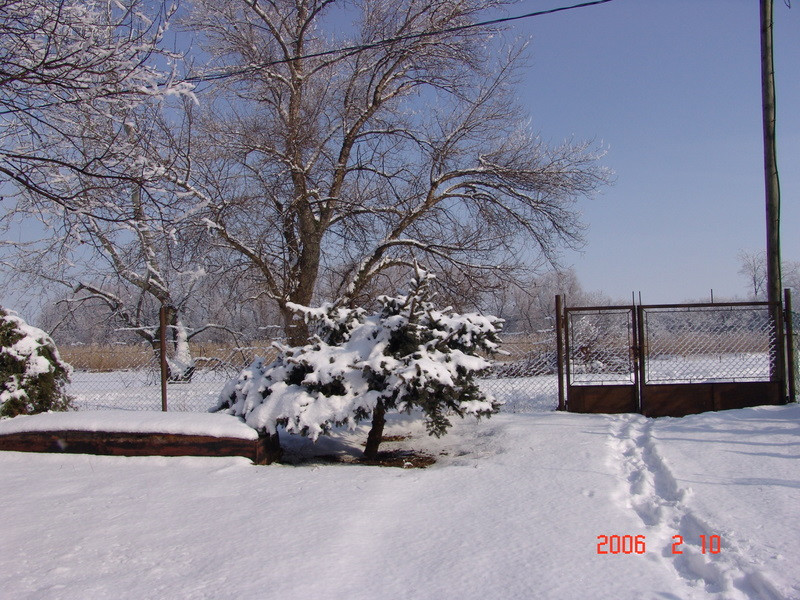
<point x="772" y="187"/>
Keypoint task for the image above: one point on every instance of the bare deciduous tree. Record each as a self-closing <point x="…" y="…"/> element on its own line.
<point x="84" y="142"/>
<point x="345" y="166"/>
<point x="315" y="173"/>
<point x="63" y="65"/>
<point x="124" y="266"/>
<point x="753" y="266"/>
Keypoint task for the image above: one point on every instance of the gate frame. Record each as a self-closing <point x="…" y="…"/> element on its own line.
<point x="672" y="399"/>
<point x="607" y="398"/>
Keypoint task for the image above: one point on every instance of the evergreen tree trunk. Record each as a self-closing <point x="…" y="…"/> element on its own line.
<point x="376" y="433"/>
<point x="271" y="448"/>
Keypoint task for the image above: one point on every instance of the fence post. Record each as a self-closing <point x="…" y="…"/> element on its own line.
<point x="791" y="366"/>
<point x="560" y="351"/>
<point x="162" y="339"/>
<point x="566" y="351"/>
<point x="640" y="349"/>
<point x="777" y="353"/>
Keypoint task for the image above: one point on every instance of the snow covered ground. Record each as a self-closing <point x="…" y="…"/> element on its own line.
<point x="514" y="507"/>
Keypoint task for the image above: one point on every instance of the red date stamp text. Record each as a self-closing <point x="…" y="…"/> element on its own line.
<point x="637" y="544"/>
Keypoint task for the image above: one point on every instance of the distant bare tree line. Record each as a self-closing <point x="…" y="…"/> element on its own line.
<point x="753" y="268"/>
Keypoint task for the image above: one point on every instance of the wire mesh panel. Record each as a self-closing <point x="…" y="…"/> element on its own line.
<point x="113" y="376"/>
<point x="525" y="378"/>
<point x="696" y="344"/>
<point x="600" y="346"/>
<point x="129" y="376"/>
<point x="673" y="360"/>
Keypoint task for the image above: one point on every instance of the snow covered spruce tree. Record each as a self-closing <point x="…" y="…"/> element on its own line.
<point x="408" y="355"/>
<point x="32" y="374"/>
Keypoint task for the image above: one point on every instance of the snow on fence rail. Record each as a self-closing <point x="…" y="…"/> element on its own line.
<point x="127" y="376"/>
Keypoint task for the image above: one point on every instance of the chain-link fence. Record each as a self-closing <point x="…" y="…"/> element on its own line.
<point x="794" y="341"/>
<point x="677" y="359"/>
<point x="128" y="376"/>
<point x="708" y="343"/>
<point x="682" y="344"/>
<point x="525" y="379"/>
<point x="601" y="342"/>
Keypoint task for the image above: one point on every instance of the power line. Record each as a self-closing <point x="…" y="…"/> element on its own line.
<point x="350" y="50"/>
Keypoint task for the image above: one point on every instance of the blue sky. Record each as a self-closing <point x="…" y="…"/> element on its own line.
<point x="672" y="90"/>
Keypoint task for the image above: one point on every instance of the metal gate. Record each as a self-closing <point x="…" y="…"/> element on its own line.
<point x="601" y="367"/>
<point x="671" y="359"/>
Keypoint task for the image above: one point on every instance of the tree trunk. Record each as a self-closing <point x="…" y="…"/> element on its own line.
<point x="270" y="449"/>
<point x="294" y="327"/>
<point x="376" y="433"/>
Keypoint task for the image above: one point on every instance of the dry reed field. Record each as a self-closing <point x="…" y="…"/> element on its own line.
<point x="211" y="356"/>
<point x="128" y="357"/>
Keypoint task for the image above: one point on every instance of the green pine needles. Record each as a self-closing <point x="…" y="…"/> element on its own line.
<point x="32" y="375"/>
<point x="407" y="356"/>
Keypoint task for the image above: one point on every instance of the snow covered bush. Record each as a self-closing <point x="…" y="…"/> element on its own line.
<point x="408" y="355"/>
<point x="32" y="374"/>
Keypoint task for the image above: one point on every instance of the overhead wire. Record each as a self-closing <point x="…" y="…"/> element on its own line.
<point x="350" y="50"/>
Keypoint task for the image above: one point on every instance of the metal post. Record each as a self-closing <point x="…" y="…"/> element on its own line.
<point x="560" y="351"/>
<point x="566" y="351"/>
<point x="791" y="366"/>
<point x="641" y="353"/>
<point x="162" y="338"/>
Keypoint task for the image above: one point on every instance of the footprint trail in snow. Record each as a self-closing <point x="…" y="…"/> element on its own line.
<point x="652" y="492"/>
